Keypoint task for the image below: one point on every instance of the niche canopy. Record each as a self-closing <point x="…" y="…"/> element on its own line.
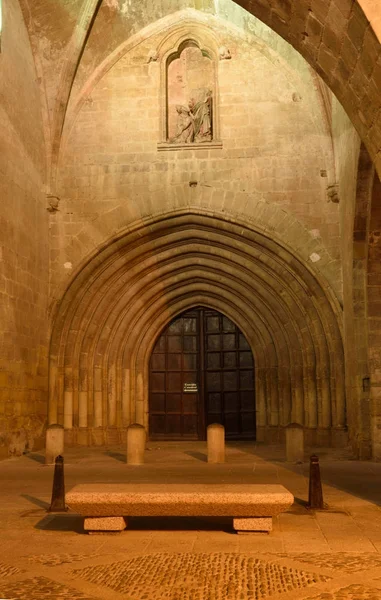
<point x="189" y="95"/>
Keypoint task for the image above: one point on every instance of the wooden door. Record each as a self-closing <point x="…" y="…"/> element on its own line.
<point x="174" y="411"/>
<point x="201" y="372"/>
<point x="229" y="377"/>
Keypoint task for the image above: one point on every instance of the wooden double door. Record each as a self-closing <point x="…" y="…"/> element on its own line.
<point x="201" y="372"/>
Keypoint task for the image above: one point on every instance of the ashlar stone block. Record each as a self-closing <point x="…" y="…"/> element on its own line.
<point x="104" y="524"/>
<point x="253" y="525"/>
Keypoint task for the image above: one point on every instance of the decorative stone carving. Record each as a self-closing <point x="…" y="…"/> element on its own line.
<point x="224" y="53"/>
<point x="153" y="56"/>
<point x="53" y="202"/>
<point x="190" y="93"/>
<point x="333" y="193"/>
<point x="194" y="122"/>
<point x="185" y="125"/>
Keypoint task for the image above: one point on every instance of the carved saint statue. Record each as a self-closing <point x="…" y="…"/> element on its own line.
<point x="194" y="122"/>
<point x="185" y="125"/>
<point x="201" y="111"/>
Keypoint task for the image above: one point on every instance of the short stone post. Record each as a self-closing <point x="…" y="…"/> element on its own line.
<point x="58" y="493"/>
<point x="315" y="491"/>
<point x="136" y="442"/>
<point x="216" y="443"/>
<point x="54" y="444"/>
<point x="294" y="443"/>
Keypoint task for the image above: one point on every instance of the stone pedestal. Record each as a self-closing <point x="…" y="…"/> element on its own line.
<point x="54" y="445"/>
<point x="104" y="524"/>
<point x="253" y="525"/>
<point x="136" y="442"/>
<point x="294" y="443"/>
<point x="216" y="443"/>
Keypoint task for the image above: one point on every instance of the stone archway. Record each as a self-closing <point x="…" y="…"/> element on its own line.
<point x="338" y="39"/>
<point x="113" y="311"/>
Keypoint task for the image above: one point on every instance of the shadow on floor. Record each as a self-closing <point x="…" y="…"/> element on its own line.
<point x="40" y="458"/>
<point x="344" y="474"/>
<point x="198" y="455"/>
<point x="117" y="455"/>
<point x="74" y="523"/>
<point x="300" y="504"/>
<point x="63" y="522"/>
<point x="36" y="501"/>
<point x="181" y="524"/>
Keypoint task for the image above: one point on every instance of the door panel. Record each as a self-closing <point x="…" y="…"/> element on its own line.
<point x="174" y="365"/>
<point x="229" y="381"/>
<point x="201" y="372"/>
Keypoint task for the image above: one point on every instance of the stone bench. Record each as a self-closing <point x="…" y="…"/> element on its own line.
<point x="106" y="507"/>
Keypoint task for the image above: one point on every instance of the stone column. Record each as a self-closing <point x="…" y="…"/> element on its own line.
<point x="136" y="441"/>
<point x="216" y="443"/>
<point x="294" y="442"/>
<point x="54" y="445"/>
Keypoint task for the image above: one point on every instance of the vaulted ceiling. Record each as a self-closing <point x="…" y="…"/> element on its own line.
<point x="71" y="39"/>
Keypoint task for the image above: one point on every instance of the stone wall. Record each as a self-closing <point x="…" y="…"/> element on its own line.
<point x="346" y="146"/>
<point x="374" y="319"/>
<point x="117" y="306"/>
<point x="276" y="154"/>
<point x="271" y="176"/>
<point x="23" y="243"/>
<point x="112" y="179"/>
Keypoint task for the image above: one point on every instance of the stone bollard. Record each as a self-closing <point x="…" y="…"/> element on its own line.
<point x="136" y="442"/>
<point x="216" y="443"/>
<point x="315" y="491"/>
<point x="58" y="493"/>
<point x="294" y="443"/>
<point x="54" y="444"/>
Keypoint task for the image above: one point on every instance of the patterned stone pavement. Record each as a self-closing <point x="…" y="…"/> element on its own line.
<point x="40" y="588"/>
<point x="189" y="576"/>
<point x="8" y="571"/>
<point x="341" y="560"/>
<point x="328" y="555"/>
<point x="54" y="560"/>
<point x="197" y="576"/>
<point x="351" y="592"/>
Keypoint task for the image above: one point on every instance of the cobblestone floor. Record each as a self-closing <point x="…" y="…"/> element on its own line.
<point x="351" y="592"/>
<point x="328" y="555"/>
<point x="197" y="576"/>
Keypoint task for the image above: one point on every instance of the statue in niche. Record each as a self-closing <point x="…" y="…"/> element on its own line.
<point x="185" y="125"/>
<point x="194" y="122"/>
<point x="190" y="96"/>
<point x="201" y="108"/>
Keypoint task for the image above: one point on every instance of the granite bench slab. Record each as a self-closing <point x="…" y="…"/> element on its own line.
<point x="106" y="506"/>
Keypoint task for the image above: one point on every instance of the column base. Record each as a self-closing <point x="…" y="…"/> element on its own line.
<point x="253" y="525"/>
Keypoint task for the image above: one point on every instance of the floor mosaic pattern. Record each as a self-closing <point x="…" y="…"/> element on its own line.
<point x="198" y="576"/>
<point x="351" y="592"/>
<point x="54" y="560"/>
<point x="345" y="561"/>
<point x="40" y="588"/>
<point x="8" y="570"/>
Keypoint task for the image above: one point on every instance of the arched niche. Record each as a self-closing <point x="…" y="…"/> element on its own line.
<point x="190" y="95"/>
<point x="189" y="90"/>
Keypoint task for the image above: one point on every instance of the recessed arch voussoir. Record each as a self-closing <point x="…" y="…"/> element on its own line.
<point x="114" y="310"/>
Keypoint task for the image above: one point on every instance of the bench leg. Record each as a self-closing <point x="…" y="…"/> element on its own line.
<point x="253" y="525"/>
<point x="104" y="524"/>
